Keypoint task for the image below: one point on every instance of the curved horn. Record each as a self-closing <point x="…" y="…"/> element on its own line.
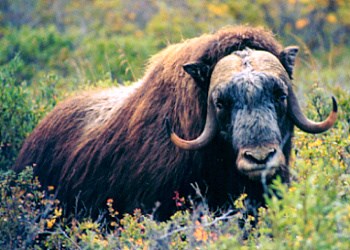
<point x="207" y="135"/>
<point x="305" y="124"/>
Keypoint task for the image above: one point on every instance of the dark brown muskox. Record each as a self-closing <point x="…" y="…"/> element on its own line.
<point x="113" y="144"/>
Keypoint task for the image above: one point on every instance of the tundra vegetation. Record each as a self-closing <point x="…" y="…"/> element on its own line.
<point x="48" y="51"/>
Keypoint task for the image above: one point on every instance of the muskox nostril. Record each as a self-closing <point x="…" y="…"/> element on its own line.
<point x="259" y="156"/>
<point x="271" y="153"/>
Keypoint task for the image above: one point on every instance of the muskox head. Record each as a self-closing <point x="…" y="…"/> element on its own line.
<point x="251" y="105"/>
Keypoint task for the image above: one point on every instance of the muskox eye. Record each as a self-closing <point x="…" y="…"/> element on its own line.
<point x="219" y="104"/>
<point x="283" y="98"/>
<point x="280" y="96"/>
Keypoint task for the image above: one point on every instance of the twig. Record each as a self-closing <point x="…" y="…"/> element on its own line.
<point x="72" y="241"/>
<point x="225" y="216"/>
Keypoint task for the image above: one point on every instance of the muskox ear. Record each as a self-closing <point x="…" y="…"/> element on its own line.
<point x="287" y="58"/>
<point x="199" y="71"/>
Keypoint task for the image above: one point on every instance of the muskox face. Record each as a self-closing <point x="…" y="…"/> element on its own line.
<point x="251" y="105"/>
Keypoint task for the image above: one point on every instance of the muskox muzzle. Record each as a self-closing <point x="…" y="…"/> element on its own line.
<point x="260" y="161"/>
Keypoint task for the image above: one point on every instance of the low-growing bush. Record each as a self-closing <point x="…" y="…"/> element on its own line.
<point x="32" y="219"/>
<point x="119" y="58"/>
<point x="20" y="109"/>
<point x="42" y="51"/>
<point x="26" y="213"/>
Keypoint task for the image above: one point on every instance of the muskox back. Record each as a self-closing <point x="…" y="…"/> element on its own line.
<point x="113" y="144"/>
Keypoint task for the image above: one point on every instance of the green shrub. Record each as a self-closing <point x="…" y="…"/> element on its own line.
<point x="42" y="51"/>
<point x="26" y="213"/>
<point x="118" y="58"/>
<point x="20" y="109"/>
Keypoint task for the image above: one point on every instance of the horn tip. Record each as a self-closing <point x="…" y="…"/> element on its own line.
<point x="335" y="104"/>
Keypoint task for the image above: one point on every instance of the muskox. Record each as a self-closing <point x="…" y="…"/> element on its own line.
<point x="216" y="111"/>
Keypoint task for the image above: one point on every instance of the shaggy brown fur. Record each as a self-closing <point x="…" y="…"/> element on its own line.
<point x="114" y="145"/>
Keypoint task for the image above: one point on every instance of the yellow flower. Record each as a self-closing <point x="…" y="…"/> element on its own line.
<point x="331" y="18"/>
<point x="301" y="23"/>
<point x="139" y="242"/>
<point x="89" y="225"/>
<point x="218" y="9"/>
<point x="51" y="188"/>
<point x="57" y="212"/>
<point x="100" y="242"/>
<point x="200" y="234"/>
<point x="251" y="218"/>
<point x="316" y="143"/>
<point x="50" y="223"/>
<point x="239" y="203"/>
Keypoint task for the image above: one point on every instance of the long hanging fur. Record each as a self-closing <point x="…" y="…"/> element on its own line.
<point x="113" y="144"/>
